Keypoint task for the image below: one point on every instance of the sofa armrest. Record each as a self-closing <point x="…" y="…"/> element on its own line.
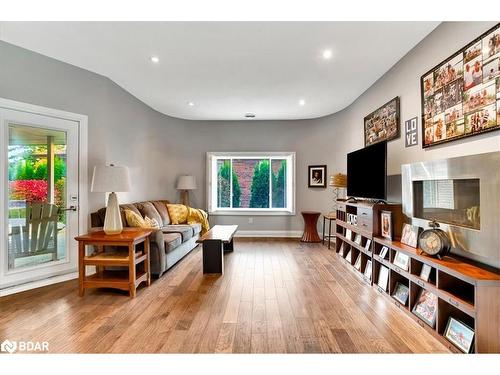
<point x="157" y="252"/>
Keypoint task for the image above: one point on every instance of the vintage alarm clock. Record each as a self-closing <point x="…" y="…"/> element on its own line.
<point x="434" y="241"/>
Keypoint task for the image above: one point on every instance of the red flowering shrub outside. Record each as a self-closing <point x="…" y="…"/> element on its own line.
<point x="29" y="190"/>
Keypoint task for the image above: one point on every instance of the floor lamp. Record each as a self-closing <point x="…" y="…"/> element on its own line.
<point x="185" y="184"/>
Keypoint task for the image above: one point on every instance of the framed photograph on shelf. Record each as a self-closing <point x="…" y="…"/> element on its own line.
<point x="317" y="176"/>
<point x="426" y="306"/>
<point x="383" y="252"/>
<point x="425" y="272"/>
<point x="348" y="234"/>
<point x="383" y="277"/>
<point x="409" y="235"/>
<point x="357" y="239"/>
<point x="458" y="96"/>
<point x="386" y="224"/>
<point x="401" y="260"/>
<point x="368" y="270"/>
<point x="383" y="123"/>
<point x="401" y="293"/>
<point x="368" y="244"/>
<point x="459" y="334"/>
<point x="357" y="264"/>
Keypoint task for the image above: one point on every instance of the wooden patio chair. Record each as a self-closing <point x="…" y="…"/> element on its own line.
<point x="38" y="236"/>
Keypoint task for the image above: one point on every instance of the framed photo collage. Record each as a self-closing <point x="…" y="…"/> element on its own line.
<point x="461" y="96"/>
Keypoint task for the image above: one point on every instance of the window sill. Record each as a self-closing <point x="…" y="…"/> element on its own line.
<point x="255" y="212"/>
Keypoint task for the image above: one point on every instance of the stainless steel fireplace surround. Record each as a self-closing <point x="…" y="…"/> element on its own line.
<point x="463" y="195"/>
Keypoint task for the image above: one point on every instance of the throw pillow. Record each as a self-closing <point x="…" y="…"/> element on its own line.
<point x="134" y="219"/>
<point x="152" y="223"/>
<point x="178" y="213"/>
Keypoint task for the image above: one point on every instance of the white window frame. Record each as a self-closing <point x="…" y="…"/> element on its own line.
<point x="212" y="158"/>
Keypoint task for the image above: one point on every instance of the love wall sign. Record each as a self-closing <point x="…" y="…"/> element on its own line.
<point x="411" y="132"/>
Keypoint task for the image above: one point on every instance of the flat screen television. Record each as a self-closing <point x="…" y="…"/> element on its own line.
<point x="367" y="172"/>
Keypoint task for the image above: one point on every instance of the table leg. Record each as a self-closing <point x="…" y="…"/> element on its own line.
<point x="81" y="268"/>
<point x="100" y="249"/>
<point x="147" y="266"/>
<point x="323" y="242"/>
<point x="329" y="233"/>
<point x="213" y="256"/>
<point x="229" y="246"/>
<point x="131" y="270"/>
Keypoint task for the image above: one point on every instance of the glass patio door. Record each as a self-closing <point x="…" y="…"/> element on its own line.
<point x="40" y="197"/>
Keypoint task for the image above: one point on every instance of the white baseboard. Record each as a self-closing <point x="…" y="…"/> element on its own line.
<point x="269" y="233"/>
<point x="38" y="284"/>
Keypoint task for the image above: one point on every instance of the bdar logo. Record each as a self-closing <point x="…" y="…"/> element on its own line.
<point x="8" y="346"/>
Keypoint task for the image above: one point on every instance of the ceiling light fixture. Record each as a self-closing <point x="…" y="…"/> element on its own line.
<point x="327" y="54"/>
<point x="302" y="102"/>
<point x="191" y="104"/>
<point x="155" y="59"/>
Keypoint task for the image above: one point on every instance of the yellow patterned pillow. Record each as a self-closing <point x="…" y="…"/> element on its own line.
<point x="178" y="213"/>
<point x="135" y="220"/>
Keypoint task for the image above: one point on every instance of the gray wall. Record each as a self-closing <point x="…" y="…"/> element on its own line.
<point x="158" y="148"/>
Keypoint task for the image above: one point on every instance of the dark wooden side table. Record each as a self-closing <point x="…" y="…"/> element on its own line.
<point x="310" y="226"/>
<point x="124" y="280"/>
<point x="330" y="218"/>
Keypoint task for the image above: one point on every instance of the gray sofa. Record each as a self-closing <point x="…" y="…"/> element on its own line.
<point x="168" y="244"/>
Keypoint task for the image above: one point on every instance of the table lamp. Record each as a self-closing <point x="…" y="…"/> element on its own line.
<point x="185" y="184"/>
<point x="111" y="178"/>
<point x="338" y="182"/>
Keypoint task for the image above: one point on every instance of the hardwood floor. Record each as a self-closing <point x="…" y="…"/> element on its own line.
<point x="276" y="296"/>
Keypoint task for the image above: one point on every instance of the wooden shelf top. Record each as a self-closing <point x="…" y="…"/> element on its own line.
<point x="223" y="233"/>
<point x="455" y="265"/>
<point x="128" y="235"/>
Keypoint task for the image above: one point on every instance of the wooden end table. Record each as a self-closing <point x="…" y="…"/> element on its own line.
<point x="310" y="226"/>
<point x="124" y="280"/>
<point x="216" y="242"/>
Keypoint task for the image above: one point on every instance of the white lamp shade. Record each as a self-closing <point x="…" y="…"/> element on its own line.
<point x="186" y="183"/>
<point x="110" y="178"/>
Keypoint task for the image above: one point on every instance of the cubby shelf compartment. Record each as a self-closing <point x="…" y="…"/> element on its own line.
<point x="466" y="291"/>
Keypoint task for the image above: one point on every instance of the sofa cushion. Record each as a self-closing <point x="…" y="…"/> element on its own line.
<point x="149" y="210"/>
<point x="172" y="240"/>
<point x="161" y="207"/>
<point x="178" y="213"/>
<point x="127" y="206"/>
<point x="185" y="230"/>
<point x="196" y="228"/>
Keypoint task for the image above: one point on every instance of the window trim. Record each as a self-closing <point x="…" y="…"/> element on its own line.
<point x="212" y="175"/>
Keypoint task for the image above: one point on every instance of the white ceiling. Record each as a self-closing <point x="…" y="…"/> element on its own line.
<point x="229" y="68"/>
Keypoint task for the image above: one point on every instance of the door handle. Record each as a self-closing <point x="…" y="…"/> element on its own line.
<point x="70" y="208"/>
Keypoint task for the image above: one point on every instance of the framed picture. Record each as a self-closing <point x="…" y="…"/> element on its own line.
<point x="458" y="96"/>
<point x="384" y="252"/>
<point x="368" y="244"/>
<point x="409" y="235"/>
<point x="341" y="250"/>
<point x="386" y="224"/>
<point x="368" y="270"/>
<point x="401" y="260"/>
<point x="383" y="123"/>
<point x="401" y="293"/>
<point x="317" y="176"/>
<point x="426" y="306"/>
<point x="348" y="234"/>
<point x="459" y="334"/>
<point x="425" y="272"/>
<point x="383" y="277"/>
<point x="357" y="239"/>
<point x="357" y="264"/>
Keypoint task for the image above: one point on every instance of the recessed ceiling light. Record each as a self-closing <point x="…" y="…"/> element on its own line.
<point x="191" y="104"/>
<point x="155" y="59"/>
<point x="327" y="54"/>
<point x="302" y="102"/>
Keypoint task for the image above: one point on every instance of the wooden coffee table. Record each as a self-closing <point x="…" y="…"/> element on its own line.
<point x="129" y="257"/>
<point x="215" y="242"/>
